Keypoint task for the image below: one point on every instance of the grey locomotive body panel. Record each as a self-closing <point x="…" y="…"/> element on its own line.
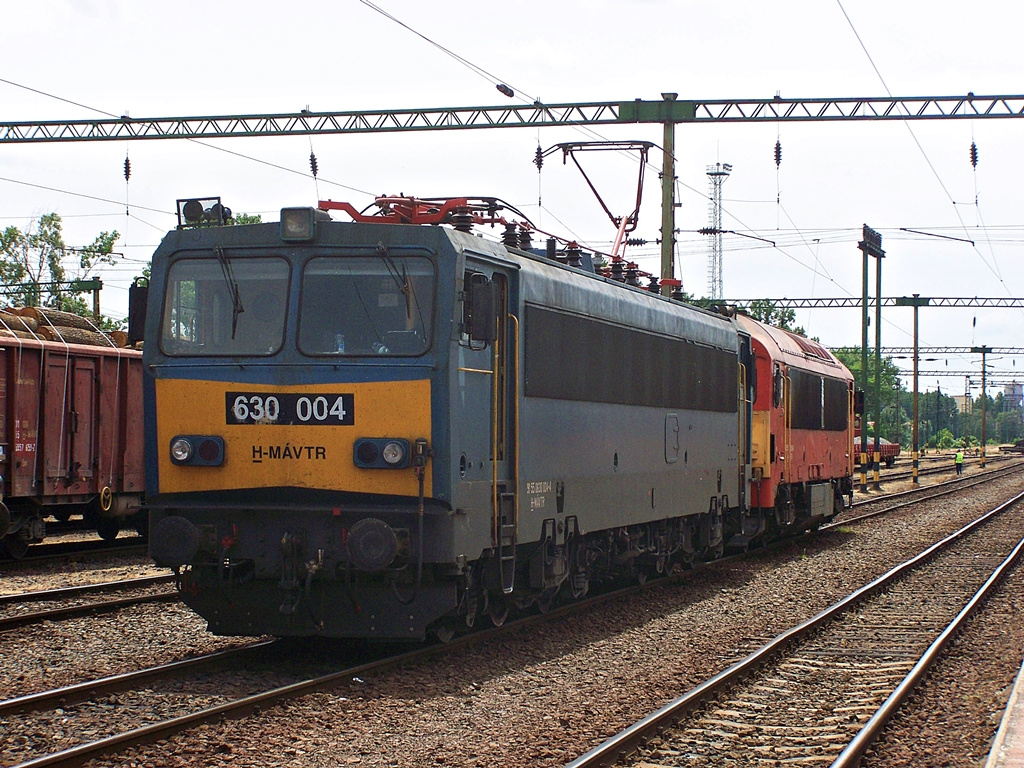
<point x="618" y="449"/>
<point x="594" y="449"/>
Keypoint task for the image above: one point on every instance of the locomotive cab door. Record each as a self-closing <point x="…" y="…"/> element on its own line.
<point x="489" y="373"/>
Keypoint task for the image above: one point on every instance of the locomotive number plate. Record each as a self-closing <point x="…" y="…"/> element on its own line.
<point x="320" y="409"/>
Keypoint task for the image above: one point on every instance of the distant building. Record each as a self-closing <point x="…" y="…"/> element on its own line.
<point x="963" y="403"/>
<point x="1013" y="395"/>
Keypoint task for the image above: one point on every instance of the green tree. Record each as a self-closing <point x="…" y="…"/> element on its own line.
<point x="37" y="266"/>
<point x="890" y="392"/>
<point x="1008" y="427"/>
<point x="245" y="218"/>
<point x="765" y="311"/>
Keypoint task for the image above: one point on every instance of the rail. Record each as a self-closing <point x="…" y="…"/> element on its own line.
<point x="617" y="748"/>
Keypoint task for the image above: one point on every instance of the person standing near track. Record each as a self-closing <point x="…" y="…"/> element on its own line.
<point x="958" y="459"/>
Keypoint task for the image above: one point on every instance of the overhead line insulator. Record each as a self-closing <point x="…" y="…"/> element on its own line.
<point x="974" y="154"/>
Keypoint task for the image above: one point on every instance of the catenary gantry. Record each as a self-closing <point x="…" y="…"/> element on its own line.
<point x="532" y="115"/>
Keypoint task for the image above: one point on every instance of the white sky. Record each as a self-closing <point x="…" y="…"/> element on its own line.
<point x="200" y="58"/>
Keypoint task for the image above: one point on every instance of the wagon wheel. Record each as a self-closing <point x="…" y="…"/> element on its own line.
<point x="14" y="547"/>
<point x="108" y="527"/>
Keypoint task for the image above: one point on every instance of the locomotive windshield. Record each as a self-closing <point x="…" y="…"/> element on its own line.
<point x="225" y="306"/>
<point x="358" y="305"/>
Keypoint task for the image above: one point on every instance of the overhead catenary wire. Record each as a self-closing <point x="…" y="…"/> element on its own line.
<point x="994" y="267"/>
<point x="194" y="141"/>
<point x="480" y="71"/>
<point x="81" y="194"/>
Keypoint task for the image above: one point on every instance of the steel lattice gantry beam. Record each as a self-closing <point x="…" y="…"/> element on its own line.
<point x="1002" y="376"/>
<point x="516" y="116"/>
<point x="887" y="301"/>
<point x="894" y="351"/>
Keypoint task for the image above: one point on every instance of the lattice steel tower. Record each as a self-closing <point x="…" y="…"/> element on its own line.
<point x="717" y="174"/>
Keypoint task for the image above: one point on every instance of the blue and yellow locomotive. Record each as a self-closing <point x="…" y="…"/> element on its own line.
<point x="393" y="427"/>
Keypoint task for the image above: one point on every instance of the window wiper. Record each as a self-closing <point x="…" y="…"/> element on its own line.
<point x="229" y="278"/>
<point x="401" y="281"/>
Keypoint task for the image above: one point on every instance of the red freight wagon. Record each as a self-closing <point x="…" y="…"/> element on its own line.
<point x="70" y="437"/>
<point x="887" y="452"/>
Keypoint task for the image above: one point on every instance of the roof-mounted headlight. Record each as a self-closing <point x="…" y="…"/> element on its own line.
<point x="298" y="224"/>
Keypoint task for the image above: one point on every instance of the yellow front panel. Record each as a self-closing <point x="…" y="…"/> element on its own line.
<point x="278" y="455"/>
<point x="760" y="443"/>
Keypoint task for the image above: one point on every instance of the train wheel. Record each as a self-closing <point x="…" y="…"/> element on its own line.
<point x="108" y="527"/>
<point x="546" y="599"/>
<point x="444" y="632"/>
<point x="498" y="611"/>
<point x="14" y="547"/>
<point x="580" y="585"/>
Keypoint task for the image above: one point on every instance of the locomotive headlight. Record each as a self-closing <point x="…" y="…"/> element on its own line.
<point x="197" y="450"/>
<point x="393" y="453"/>
<point x="181" y="451"/>
<point x="381" y="453"/>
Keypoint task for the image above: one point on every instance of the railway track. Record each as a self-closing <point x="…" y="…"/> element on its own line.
<point x="39" y="554"/>
<point x="821" y="692"/>
<point x="203" y="696"/>
<point x="939" y="465"/>
<point x="884" y="503"/>
<point x="169" y="698"/>
<point x="196" y="691"/>
<point x="92" y="689"/>
<point x="71" y="603"/>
